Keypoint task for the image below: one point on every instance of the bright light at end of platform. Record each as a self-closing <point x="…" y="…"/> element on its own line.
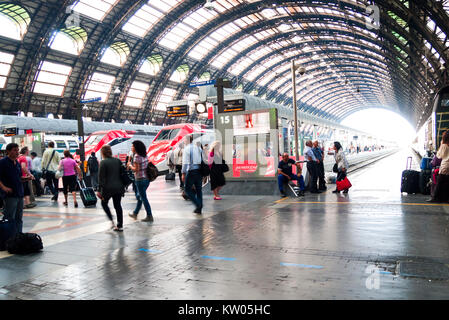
<point x="383" y="123"/>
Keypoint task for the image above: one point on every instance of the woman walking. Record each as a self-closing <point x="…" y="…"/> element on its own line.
<point x="342" y="164"/>
<point x="110" y="186"/>
<point x="139" y="167"/>
<point x="71" y="168"/>
<point x="441" y="193"/>
<point x="215" y="160"/>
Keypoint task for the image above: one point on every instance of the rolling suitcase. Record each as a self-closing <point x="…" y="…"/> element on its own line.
<point x="87" y="194"/>
<point x="410" y="179"/>
<point x="424" y="181"/>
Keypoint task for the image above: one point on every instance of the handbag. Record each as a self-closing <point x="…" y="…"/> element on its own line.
<point x="335" y="168"/>
<point x="204" y="168"/>
<point x="124" y="176"/>
<point x="224" y="167"/>
<point x="343" y="184"/>
<point x="59" y="173"/>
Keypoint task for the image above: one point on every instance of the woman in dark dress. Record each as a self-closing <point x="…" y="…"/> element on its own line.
<point x="215" y="160"/>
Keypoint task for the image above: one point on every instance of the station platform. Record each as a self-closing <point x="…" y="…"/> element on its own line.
<point x="372" y="243"/>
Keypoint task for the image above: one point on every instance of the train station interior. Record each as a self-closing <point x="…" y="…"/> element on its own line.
<point x="329" y="120"/>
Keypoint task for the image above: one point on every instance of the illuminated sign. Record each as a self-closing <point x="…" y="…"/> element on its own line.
<point x="234" y="105"/>
<point x="8" y="132"/>
<point x="177" y="111"/>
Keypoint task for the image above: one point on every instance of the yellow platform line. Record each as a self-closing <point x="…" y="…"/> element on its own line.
<point x="401" y="204"/>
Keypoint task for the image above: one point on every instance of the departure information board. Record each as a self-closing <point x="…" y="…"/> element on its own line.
<point x="177" y="111"/>
<point x="234" y="105"/>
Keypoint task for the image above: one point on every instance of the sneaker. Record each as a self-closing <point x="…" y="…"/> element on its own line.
<point x="148" y="219"/>
<point x="335" y="191"/>
<point x="132" y="215"/>
<point x="197" y="211"/>
<point x="29" y="206"/>
<point x="118" y="229"/>
<point x="283" y="195"/>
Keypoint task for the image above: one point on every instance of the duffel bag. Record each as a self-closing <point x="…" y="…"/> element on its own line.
<point x="24" y="243"/>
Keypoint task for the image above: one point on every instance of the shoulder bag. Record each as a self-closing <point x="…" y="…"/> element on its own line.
<point x="44" y="172"/>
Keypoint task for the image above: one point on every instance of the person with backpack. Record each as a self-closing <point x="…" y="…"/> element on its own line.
<point x="142" y="181"/>
<point x="93" y="166"/>
<point x="111" y="186"/>
<point x="50" y="163"/>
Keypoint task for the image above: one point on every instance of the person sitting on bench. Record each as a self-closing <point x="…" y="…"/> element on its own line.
<point x="285" y="174"/>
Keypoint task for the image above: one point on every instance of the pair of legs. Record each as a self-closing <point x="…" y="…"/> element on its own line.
<point x="141" y="187"/>
<point x="321" y="180"/>
<point x="283" y="179"/>
<point x="69" y="184"/>
<point x="194" y="178"/>
<point x="53" y="184"/>
<point x="216" y="191"/>
<point x="312" y="169"/>
<point x="94" y="180"/>
<point x="37" y="182"/>
<point x="116" y="200"/>
<point x="178" y="170"/>
<point x="13" y="211"/>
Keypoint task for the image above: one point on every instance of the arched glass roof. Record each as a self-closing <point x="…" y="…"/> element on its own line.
<point x="157" y="47"/>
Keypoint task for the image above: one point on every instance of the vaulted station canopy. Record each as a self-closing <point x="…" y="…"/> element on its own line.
<point x="139" y="55"/>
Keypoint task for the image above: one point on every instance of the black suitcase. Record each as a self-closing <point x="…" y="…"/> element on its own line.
<point x="87" y="194"/>
<point x="424" y="181"/>
<point x="7" y="231"/>
<point x="410" y="179"/>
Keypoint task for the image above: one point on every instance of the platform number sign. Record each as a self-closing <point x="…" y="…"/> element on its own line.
<point x="225" y="119"/>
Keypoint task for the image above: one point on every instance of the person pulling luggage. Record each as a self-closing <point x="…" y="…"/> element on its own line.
<point x="342" y="165"/>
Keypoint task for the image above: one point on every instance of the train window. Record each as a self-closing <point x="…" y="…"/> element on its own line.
<point x="93" y="139"/>
<point x="72" y="144"/>
<point x="117" y="141"/>
<point x="60" y="144"/>
<point x="167" y="134"/>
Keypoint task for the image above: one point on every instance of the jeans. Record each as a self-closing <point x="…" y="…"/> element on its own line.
<point x="194" y="178"/>
<point x="116" y="199"/>
<point x="52" y="183"/>
<point x="13" y="211"/>
<point x="141" y="195"/>
<point x="94" y="179"/>
<point x="283" y="179"/>
<point x="37" y="182"/>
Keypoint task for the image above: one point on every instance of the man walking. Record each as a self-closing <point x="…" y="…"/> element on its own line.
<point x="191" y="174"/>
<point x="93" y="166"/>
<point x="11" y="186"/>
<point x="312" y="167"/>
<point x="50" y="163"/>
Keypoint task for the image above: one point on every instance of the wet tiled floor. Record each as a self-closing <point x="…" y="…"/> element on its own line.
<point x="322" y="246"/>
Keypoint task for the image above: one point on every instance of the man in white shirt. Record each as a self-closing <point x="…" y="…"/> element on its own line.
<point x="191" y="174"/>
<point x="37" y="173"/>
<point x="50" y="163"/>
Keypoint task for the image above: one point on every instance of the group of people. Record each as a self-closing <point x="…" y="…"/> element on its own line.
<point x="314" y="158"/>
<point x="107" y="175"/>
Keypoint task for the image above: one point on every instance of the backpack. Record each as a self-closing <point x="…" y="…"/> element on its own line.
<point x="151" y="171"/>
<point x="93" y="164"/>
<point x="23" y="243"/>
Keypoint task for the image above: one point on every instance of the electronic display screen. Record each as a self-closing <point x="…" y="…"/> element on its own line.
<point x="253" y="123"/>
<point x="177" y="111"/>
